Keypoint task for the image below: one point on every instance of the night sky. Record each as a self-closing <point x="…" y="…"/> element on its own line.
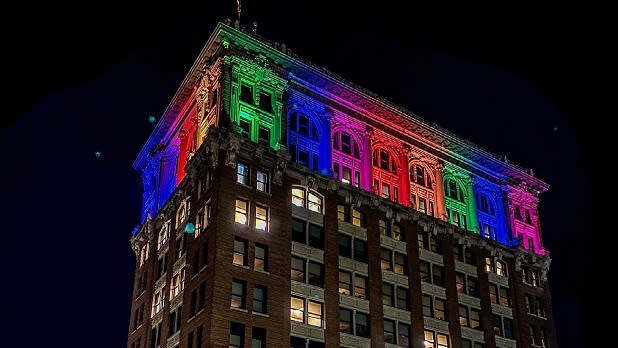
<point x="83" y="80"/>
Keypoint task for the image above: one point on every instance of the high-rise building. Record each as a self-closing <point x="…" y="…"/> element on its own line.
<point x="284" y="206"/>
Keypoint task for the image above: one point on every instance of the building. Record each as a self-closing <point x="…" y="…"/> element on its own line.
<point x="284" y="206"/>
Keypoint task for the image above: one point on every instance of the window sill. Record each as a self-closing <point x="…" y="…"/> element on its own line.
<point x="261" y="314"/>
<point x="243" y="310"/>
<point x="242" y="266"/>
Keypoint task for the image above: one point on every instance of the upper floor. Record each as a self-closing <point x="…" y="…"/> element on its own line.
<point x="275" y="99"/>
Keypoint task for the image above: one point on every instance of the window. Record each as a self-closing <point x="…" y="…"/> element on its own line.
<point x="181" y="246"/>
<point x="345" y="282"/>
<point x="174" y="321"/>
<point x="387" y="262"/>
<point x="157" y="302"/>
<point x="543" y="338"/>
<point x="315" y="237"/>
<point x="434" y="307"/>
<point x="473" y="286"/>
<point x="246" y="93"/>
<point x="262" y="181"/>
<point x="401" y="264"/>
<point x="303" y="140"/>
<point x="238" y="294"/>
<point x="362" y="324"/>
<point x="382" y="227"/>
<point x="261" y="218"/>
<point x="463" y="316"/>
<point x="240" y="252"/>
<point x="263" y="135"/>
<point x="260" y="260"/>
<point x="316" y="274"/>
<point x="258" y="338"/>
<point x="345" y="321"/>
<point x="360" y="287"/>
<point x="345" y="143"/>
<point x="527" y="216"/>
<point x="164" y="235"/>
<point x="389" y="331"/>
<point x="402" y="298"/>
<point x="357" y="218"/>
<point x="314" y="312"/>
<point x="485" y="204"/>
<point x="531" y="276"/>
<point x="242" y="174"/>
<point x="314" y="201"/>
<point x="259" y="299"/>
<point x="360" y="250"/>
<point x="178" y="283"/>
<point x="505" y="297"/>
<point x="345" y="245"/>
<point x="508" y="327"/>
<point x="387" y="295"/>
<point x="241" y="216"/>
<point x="385" y="174"/>
<point x="496" y="321"/>
<point x="237" y="335"/>
<point x="475" y="318"/>
<point x="265" y="102"/>
<point x="298" y="269"/>
<point x="155" y="338"/>
<point x="161" y="266"/>
<point x="435" y="340"/>
<point x="453" y="190"/>
<point x="460" y="282"/>
<point x="500" y="268"/>
<point x="517" y="212"/>
<point x="493" y="293"/>
<point x="540" y="307"/>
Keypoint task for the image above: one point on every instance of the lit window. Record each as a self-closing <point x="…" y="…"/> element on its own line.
<point x="262" y="181"/>
<point x="500" y="268"/>
<point x="241" y="212"/>
<point x="346" y="176"/>
<point x="238" y="294"/>
<point x="261" y="218"/>
<point x="315" y="202"/>
<point x="297" y="309"/>
<point x="164" y="235"/>
<point x="489" y="265"/>
<point x="242" y="174"/>
<point x="505" y="297"/>
<point x="178" y="283"/>
<point x="240" y="252"/>
<point x="158" y="302"/>
<point x="383" y="229"/>
<point x="400" y="264"/>
<point x="260" y="261"/>
<point x="493" y="293"/>
<point x="314" y="313"/>
<point x="475" y="321"/>
<point x="396" y="232"/>
<point x="298" y="197"/>
<point x="357" y="218"/>
<point x="439" y="311"/>
<point x="442" y="341"/>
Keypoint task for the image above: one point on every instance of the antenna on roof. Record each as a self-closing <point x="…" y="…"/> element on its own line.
<point x="238" y="10"/>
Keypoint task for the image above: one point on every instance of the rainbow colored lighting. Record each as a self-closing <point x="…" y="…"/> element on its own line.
<point x="339" y="131"/>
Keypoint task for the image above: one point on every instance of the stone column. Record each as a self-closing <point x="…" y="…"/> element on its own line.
<point x="438" y="189"/>
<point x="365" y="156"/>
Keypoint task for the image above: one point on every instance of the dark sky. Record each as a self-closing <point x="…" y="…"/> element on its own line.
<point x="510" y="79"/>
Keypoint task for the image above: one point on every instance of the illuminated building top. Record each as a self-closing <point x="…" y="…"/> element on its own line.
<point x="340" y="130"/>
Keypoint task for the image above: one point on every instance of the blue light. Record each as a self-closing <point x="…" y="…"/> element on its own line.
<point x="189" y="228"/>
<point x="152" y="119"/>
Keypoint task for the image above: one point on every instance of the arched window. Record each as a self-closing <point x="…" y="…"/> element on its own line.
<point x="453" y="190"/>
<point x="346" y="158"/>
<point x="303" y="140"/>
<point x="344" y="142"/>
<point x="385" y="180"/>
<point x="422" y="195"/>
